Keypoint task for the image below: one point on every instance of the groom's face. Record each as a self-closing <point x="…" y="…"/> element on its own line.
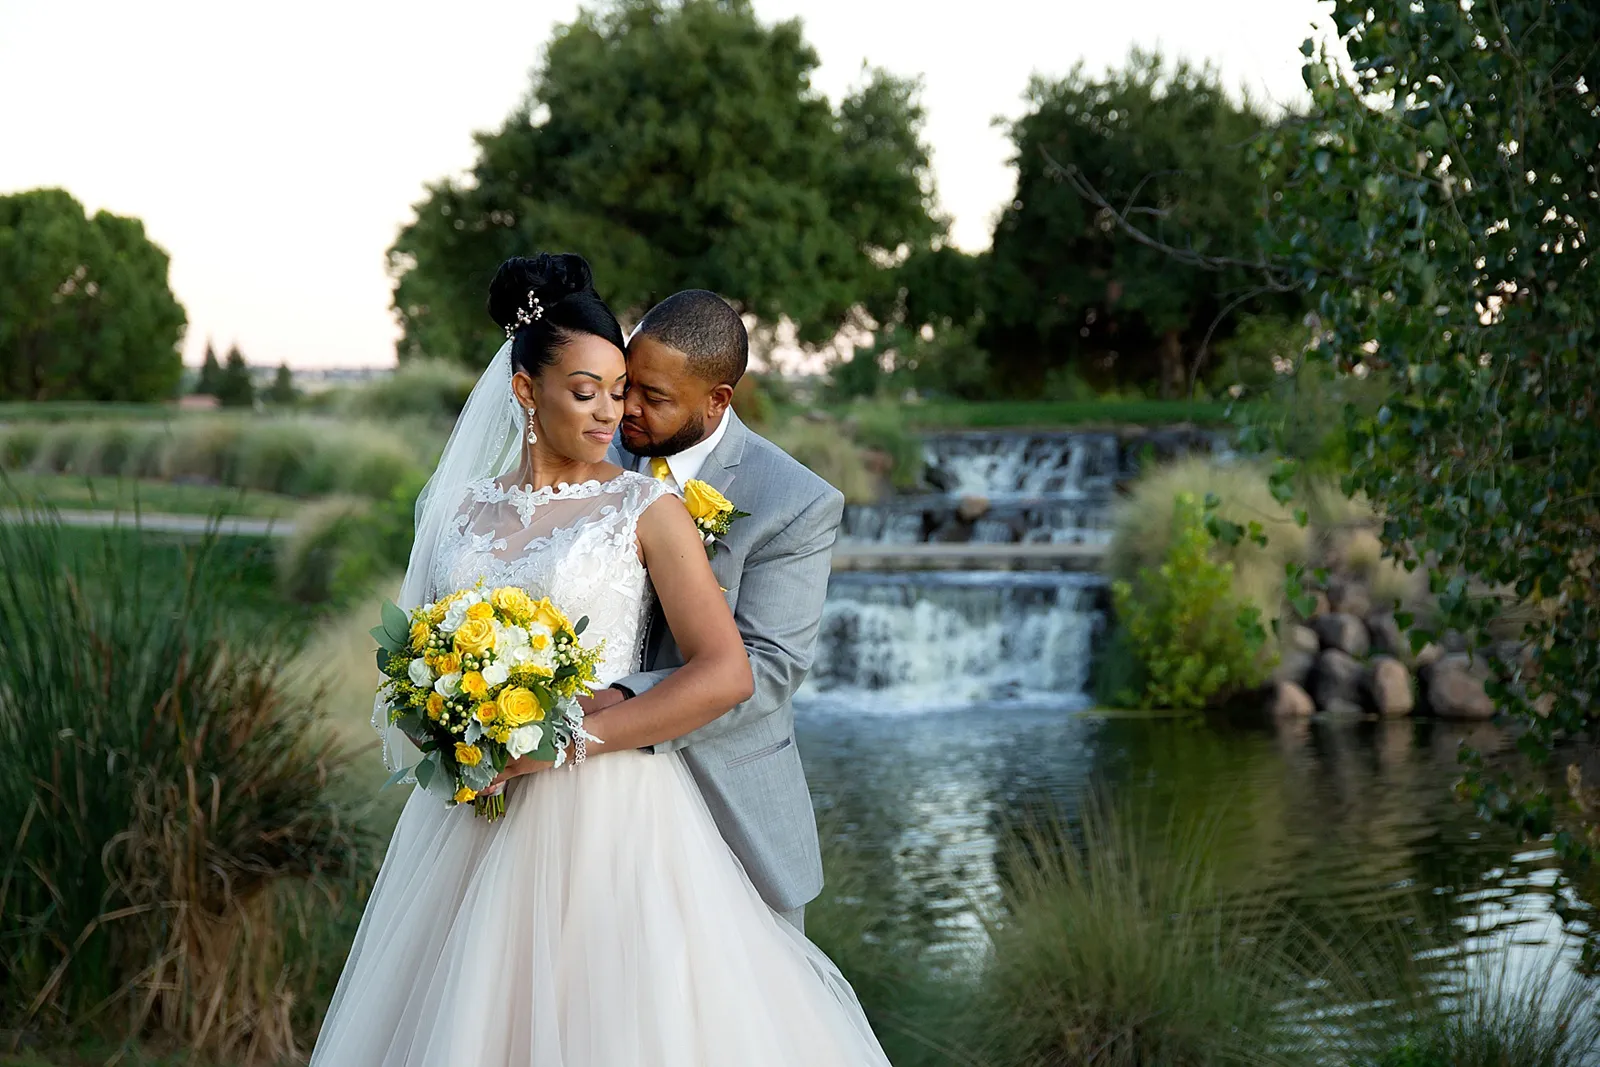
<point x="668" y="406"/>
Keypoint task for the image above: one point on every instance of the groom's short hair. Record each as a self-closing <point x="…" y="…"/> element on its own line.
<point x="706" y="329"/>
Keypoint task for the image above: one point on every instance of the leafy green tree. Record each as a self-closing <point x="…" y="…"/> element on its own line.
<point x="234" y="388"/>
<point x="1163" y="145"/>
<point x="210" y="379"/>
<point x="85" y="309"/>
<point x="1441" y="204"/>
<point x="283" y="391"/>
<point x="676" y="145"/>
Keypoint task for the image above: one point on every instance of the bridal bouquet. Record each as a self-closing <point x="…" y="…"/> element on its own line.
<point x="478" y="679"/>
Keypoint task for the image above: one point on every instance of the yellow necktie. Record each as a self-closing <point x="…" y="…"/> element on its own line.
<point x="659" y="468"/>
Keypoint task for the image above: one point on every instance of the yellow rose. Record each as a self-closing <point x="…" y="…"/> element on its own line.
<point x="419" y="636"/>
<point x="547" y="614"/>
<point x="486" y="712"/>
<point x="468" y="755"/>
<point x="473" y="685"/>
<point x="703" y="501"/>
<point x="518" y="706"/>
<point x="539" y="641"/>
<point x="435" y="706"/>
<point x="465" y="795"/>
<point x="512" y="601"/>
<point x="475" y="637"/>
<point x="481" y="610"/>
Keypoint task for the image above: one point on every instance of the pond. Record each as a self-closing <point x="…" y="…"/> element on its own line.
<point x="947" y="708"/>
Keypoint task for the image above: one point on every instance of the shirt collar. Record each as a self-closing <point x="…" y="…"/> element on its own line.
<point x="685" y="466"/>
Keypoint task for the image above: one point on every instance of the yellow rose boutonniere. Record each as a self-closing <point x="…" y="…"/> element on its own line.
<point x="713" y="513"/>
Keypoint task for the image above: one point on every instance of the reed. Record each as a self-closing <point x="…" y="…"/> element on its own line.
<point x="166" y="794"/>
<point x="1117" y="947"/>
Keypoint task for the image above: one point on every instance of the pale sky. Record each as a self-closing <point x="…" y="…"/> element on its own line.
<point x="275" y="149"/>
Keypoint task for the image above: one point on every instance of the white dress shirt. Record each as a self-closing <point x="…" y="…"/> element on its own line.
<point x="685" y="466"/>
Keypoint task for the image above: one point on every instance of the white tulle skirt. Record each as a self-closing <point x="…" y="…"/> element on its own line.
<point x="603" y="922"/>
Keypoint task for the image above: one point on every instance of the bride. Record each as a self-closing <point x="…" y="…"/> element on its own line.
<point x="603" y="922"/>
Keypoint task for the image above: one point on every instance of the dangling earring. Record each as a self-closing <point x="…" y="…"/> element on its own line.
<point x="533" y="438"/>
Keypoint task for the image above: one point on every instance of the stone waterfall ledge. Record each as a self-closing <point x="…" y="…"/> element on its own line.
<point x="967" y="556"/>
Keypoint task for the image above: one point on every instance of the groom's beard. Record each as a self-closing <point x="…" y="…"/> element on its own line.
<point x="689" y="434"/>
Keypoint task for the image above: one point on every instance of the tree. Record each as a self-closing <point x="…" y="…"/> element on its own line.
<point x="210" y="379"/>
<point x="676" y="145"/>
<point x="85" y="309"/>
<point x="1165" y="144"/>
<point x="1441" y="204"/>
<point x="283" y="391"/>
<point x="234" y="388"/>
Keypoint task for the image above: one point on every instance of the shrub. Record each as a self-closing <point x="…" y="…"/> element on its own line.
<point x="830" y="454"/>
<point x="1144" y="524"/>
<point x="162" y="790"/>
<point x="882" y="427"/>
<point x="1196" y="644"/>
<point x="1124" y="952"/>
<point x="342" y="544"/>
<point x="432" y="389"/>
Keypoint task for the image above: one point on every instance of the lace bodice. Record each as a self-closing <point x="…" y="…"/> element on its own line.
<point x="572" y="543"/>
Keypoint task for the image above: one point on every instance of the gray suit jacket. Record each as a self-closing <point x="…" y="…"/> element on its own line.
<point x="774" y="565"/>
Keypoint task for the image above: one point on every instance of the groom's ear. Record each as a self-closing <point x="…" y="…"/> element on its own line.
<point x="720" y="400"/>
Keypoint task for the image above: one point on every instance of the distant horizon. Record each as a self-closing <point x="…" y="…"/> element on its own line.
<point x="277" y="197"/>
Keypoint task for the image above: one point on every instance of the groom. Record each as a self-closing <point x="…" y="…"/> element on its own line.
<point x="684" y="360"/>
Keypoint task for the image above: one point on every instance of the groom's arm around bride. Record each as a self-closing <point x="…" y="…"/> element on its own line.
<point x="683" y="362"/>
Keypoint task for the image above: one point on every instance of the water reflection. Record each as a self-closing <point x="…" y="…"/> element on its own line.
<point x="1346" y="823"/>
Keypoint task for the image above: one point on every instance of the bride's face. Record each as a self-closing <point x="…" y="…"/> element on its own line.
<point x="577" y="401"/>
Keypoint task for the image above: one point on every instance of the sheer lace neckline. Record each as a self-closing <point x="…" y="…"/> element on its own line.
<point x="490" y="491"/>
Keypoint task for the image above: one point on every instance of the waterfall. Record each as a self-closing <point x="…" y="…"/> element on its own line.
<point x="941" y="639"/>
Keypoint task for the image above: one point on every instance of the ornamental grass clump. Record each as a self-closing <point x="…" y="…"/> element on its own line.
<point x="1122" y="950"/>
<point x="165" y="796"/>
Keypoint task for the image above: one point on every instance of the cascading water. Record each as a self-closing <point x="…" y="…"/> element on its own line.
<point x="944" y="639"/>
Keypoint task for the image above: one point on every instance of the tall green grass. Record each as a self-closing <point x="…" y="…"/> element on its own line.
<point x="166" y="795"/>
<point x="1118" y="947"/>
<point x="295" y="456"/>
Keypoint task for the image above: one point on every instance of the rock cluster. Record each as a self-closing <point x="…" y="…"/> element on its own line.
<point x="1352" y="659"/>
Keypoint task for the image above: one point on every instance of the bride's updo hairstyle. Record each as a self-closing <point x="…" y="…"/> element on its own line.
<point x="543" y="302"/>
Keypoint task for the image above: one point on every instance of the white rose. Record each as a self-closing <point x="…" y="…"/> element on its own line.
<point x="496" y="674"/>
<point x="523" y="740"/>
<point x="448" y="685"/>
<point x="545" y="659"/>
<point x="456" y="615"/>
<point x="420" y="675"/>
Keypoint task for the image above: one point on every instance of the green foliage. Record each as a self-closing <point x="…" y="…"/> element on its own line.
<point x="85" y="310"/>
<point x="1440" y="204"/>
<point x="1168" y="146"/>
<point x="1123" y="951"/>
<point x="342" y="545"/>
<point x="283" y="393"/>
<point x="234" y="387"/>
<point x="1196" y="644"/>
<point x="676" y="145"/>
<point x="293" y="456"/>
<point x="882" y="428"/>
<point x="210" y="377"/>
<point x="161" y="789"/>
<point x="428" y="388"/>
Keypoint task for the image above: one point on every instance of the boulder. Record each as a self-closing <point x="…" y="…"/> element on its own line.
<point x="972" y="508"/>
<point x="1453" y="687"/>
<point x="1349" y="598"/>
<point x="1389" y="687"/>
<point x="1344" y="632"/>
<point x="1428" y="655"/>
<point x="1289" y="701"/>
<point x="1387" y="637"/>
<point x="1336" y="681"/>
<point x="1299" y="654"/>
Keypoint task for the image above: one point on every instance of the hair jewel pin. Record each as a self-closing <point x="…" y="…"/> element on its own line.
<point x="527" y="315"/>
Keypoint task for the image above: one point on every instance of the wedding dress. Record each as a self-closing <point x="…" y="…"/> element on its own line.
<point x="603" y="922"/>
